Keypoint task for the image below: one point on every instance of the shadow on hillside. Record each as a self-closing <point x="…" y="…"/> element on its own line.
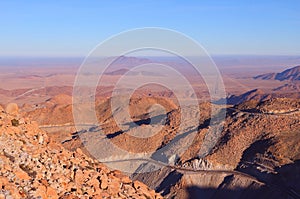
<point x="285" y="184"/>
<point x="168" y="182"/>
<point x="158" y="119"/>
<point x="289" y="176"/>
<point x="195" y="192"/>
<point x="115" y="134"/>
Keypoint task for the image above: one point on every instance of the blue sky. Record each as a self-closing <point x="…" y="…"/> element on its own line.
<point x="73" y="28"/>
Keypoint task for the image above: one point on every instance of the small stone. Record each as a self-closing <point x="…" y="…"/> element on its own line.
<point x="94" y="182"/>
<point x="121" y="195"/>
<point x="79" y="151"/>
<point x="126" y="180"/>
<point x="41" y="139"/>
<point x="138" y="185"/>
<point x="129" y="190"/>
<point x="113" y="188"/>
<point x="44" y="182"/>
<point x="104" y="183"/>
<point x="79" y="177"/>
<point x="3" y="181"/>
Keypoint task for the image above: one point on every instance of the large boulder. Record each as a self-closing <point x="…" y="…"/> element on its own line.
<point x="12" y="108"/>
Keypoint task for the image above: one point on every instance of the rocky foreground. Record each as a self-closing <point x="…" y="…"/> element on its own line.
<point x="33" y="166"/>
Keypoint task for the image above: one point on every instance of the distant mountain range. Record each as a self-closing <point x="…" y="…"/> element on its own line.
<point x="255" y="94"/>
<point x="292" y="74"/>
<point x="288" y="87"/>
<point x="259" y="95"/>
<point x="123" y="71"/>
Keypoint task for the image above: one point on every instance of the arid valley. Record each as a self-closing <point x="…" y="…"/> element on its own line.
<point x="255" y="154"/>
<point x="150" y="99"/>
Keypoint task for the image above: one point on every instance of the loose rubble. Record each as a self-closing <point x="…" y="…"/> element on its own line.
<point x="33" y="166"/>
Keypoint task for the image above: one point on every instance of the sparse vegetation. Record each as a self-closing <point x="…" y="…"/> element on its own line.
<point x="15" y="122"/>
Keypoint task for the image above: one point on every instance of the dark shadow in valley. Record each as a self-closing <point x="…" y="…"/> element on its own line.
<point x="195" y="192"/>
<point x="115" y="134"/>
<point x="205" y="124"/>
<point x="258" y="147"/>
<point x="166" y="185"/>
<point x="158" y="119"/>
<point x="286" y="177"/>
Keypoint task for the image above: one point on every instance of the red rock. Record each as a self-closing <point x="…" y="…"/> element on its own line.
<point x="138" y="184"/>
<point x="113" y="187"/>
<point x="41" y="191"/>
<point x="104" y="182"/>
<point x="126" y="180"/>
<point x="22" y="175"/>
<point x="51" y="193"/>
<point x="44" y="182"/>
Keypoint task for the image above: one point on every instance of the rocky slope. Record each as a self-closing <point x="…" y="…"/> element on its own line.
<point x="33" y="166"/>
<point x="292" y="74"/>
<point x="255" y="156"/>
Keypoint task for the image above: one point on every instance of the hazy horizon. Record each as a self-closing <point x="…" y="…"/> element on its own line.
<point x="223" y="61"/>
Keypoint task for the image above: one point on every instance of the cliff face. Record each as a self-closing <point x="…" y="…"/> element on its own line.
<point x="33" y="166"/>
